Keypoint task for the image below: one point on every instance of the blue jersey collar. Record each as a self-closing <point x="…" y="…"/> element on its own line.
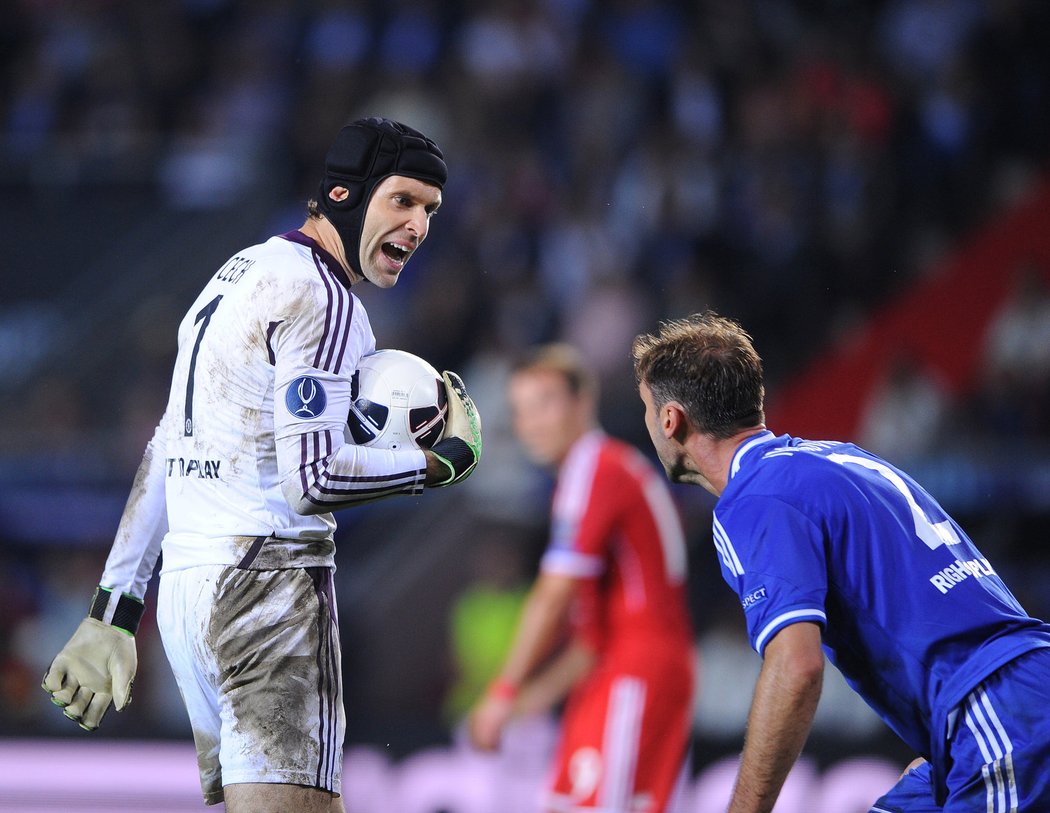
<point x="738" y="456"/>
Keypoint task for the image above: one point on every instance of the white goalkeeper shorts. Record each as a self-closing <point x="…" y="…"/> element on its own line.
<point x="256" y="657"/>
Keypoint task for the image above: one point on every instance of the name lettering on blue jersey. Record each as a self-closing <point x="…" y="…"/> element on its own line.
<point x="234" y="269"/>
<point x="202" y="469"/>
<point x="945" y="580"/>
<point x="756" y="596"/>
<point x="933" y="534"/>
<point x="726" y="550"/>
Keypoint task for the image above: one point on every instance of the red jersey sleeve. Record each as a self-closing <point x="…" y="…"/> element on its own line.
<point x="584" y="514"/>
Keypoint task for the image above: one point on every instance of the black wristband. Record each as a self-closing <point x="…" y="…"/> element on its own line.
<point x="126" y="615"/>
<point x="456" y="452"/>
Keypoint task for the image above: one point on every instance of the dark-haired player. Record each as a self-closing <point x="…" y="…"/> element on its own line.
<point x="237" y="487"/>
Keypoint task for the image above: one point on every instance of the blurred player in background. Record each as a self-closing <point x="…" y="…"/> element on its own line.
<point x="827" y="544"/>
<point x="615" y="571"/>
<point x="237" y="487"/>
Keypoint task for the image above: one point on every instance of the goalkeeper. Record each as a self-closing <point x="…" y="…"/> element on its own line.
<point x="238" y="485"/>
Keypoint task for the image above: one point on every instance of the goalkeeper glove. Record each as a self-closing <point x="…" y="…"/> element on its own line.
<point x="97" y="666"/>
<point x="459" y="450"/>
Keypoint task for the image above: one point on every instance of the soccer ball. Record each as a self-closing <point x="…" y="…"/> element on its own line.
<point x="398" y="401"/>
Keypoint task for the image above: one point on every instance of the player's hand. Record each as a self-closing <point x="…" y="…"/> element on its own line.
<point x="487" y="721"/>
<point x="915" y="763"/>
<point x="459" y="449"/>
<point x="94" y="669"/>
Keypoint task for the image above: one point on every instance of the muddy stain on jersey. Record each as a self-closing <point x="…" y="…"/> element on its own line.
<point x="208" y="764"/>
<point x="140" y="488"/>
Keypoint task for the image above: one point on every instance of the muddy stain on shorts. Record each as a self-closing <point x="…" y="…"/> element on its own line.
<point x="275" y="642"/>
<point x="208" y="763"/>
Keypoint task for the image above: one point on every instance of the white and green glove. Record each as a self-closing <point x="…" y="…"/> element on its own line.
<point x="97" y="665"/>
<point x="460" y="446"/>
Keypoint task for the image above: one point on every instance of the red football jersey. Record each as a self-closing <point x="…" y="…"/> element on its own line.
<point x="617" y="530"/>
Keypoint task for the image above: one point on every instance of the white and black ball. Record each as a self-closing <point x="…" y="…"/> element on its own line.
<point x="398" y="402"/>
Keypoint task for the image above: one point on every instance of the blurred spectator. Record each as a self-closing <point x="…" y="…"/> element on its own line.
<point x="906" y="413"/>
<point x="1014" y="400"/>
<point x="1017" y="345"/>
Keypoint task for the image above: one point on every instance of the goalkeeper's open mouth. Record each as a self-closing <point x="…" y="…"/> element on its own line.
<point x="396" y="253"/>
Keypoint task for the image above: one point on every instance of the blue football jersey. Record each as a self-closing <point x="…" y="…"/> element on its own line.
<point x="912" y="614"/>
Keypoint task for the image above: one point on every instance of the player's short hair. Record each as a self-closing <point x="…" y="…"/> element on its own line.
<point x="708" y="364"/>
<point x="563" y="359"/>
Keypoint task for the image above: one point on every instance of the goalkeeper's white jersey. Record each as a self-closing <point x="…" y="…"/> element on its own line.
<point x="251" y="455"/>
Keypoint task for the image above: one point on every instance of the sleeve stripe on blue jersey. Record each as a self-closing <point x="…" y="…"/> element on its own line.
<point x="726" y="549"/>
<point x="783" y="620"/>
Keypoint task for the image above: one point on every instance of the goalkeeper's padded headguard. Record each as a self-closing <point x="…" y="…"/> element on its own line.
<point x="363" y="154"/>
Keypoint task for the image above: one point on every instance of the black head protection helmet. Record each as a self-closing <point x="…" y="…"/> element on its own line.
<point x="363" y="154"/>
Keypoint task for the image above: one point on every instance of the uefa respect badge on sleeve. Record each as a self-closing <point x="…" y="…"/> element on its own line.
<point x="306" y="398"/>
<point x="312" y="401"/>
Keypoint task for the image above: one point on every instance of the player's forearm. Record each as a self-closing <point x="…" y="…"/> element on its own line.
<point x="323" y="474"/>
<point x="782" y="710"/>
<point x="554" y="682"/>
<point x="136" y="544"/>
<point x="543" y="618"/>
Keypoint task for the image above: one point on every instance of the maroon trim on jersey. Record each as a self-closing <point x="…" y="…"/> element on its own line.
<point x="340" y="329"/>
<point x="318" y="483"/>
<point x="340" y="307"/>
<point x="370" y="478"/>
<point x="333" y="293"/>
<point x="327" y="669"/>
<point x="304" y="460"/>
<point x="253" y="552"/>
<point x="345" y="337"/>
<point x="269" y="339"/>
<point x="327" y="257"/>
<point x="354" y="488"/>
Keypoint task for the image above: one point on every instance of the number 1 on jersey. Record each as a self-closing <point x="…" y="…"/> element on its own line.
<point x="202" y="318"/>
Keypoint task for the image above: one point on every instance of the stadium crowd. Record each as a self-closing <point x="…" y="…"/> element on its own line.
<point x="794" y="163"/>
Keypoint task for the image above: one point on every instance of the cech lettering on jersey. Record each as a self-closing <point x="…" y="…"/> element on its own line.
<point x="202" y="469"/>
<point x="945" y="580"/>
<point x="234" y="269"/>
